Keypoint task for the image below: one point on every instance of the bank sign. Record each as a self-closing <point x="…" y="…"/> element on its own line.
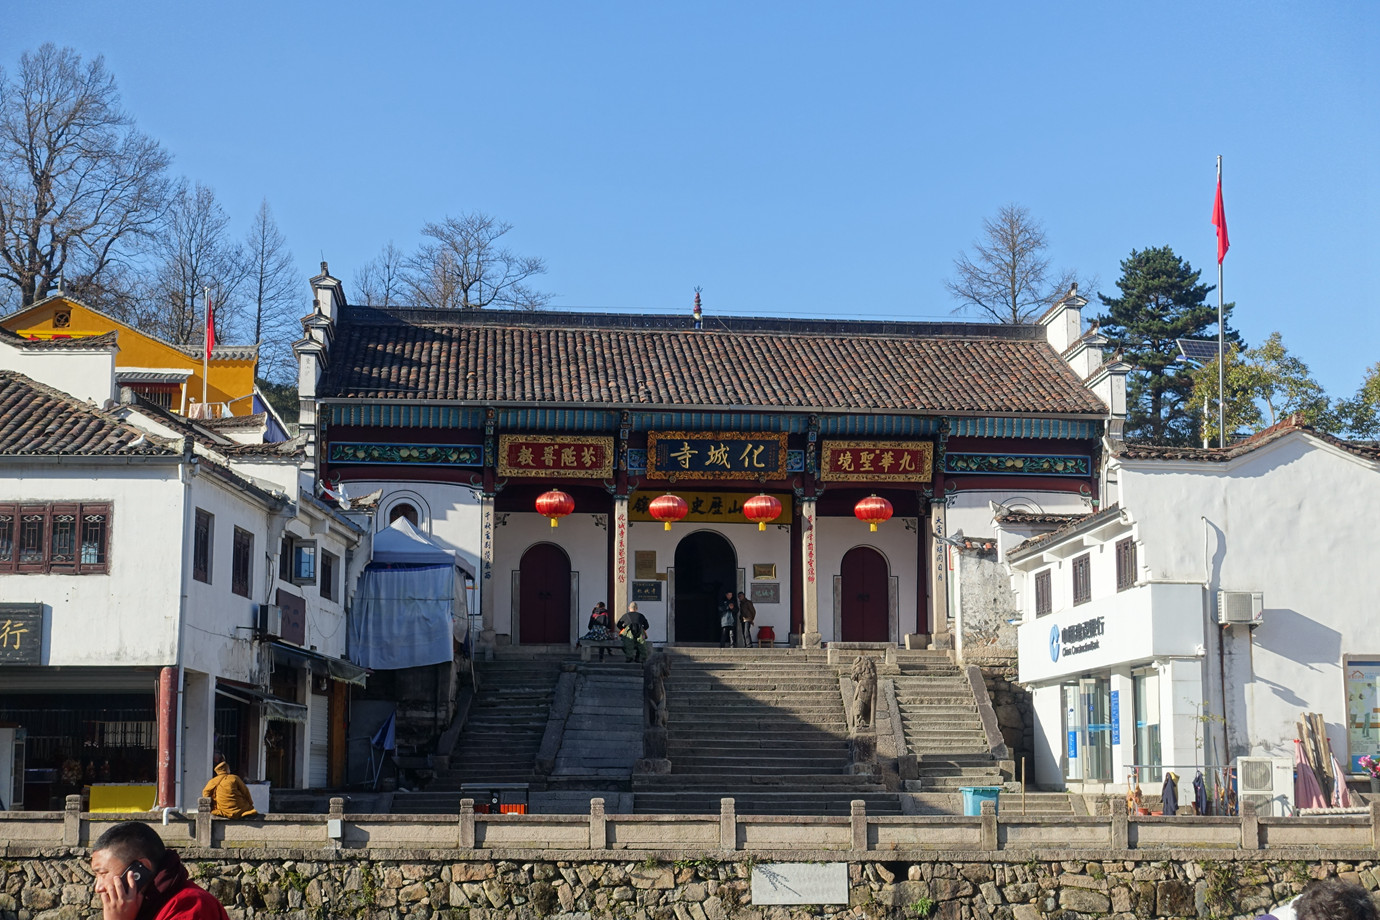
<point x="1143" y="623"/>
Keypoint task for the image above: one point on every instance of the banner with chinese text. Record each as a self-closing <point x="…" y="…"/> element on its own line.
<point x="877" y="461"/>
<point x="555" y="455"/>
<point x="716" y="455"/>
<point x="709" y="507"/>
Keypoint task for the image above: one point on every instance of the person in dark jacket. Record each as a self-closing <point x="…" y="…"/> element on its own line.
<point x="728" y="620"/>
<point x="632" y="629"/>
<point x="747" y="615"/>
<point x="129" y="851"/>
<point x="1334" y="899"/>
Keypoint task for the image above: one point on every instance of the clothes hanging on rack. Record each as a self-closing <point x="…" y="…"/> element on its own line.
<point x="1169" y="794"/>
<point x="1200" y="796"/>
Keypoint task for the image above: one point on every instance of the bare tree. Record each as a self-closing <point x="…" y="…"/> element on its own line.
<point x="381" y="281"/>
<point x="195" y="253"/>
<point x="79" y="186"/>
<point x="464" y="267"/>
<point x="1008" y="277"/>
<point x="271" y="286"/>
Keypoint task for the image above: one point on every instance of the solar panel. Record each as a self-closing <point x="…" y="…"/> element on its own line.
<point x="1199" y="351"/>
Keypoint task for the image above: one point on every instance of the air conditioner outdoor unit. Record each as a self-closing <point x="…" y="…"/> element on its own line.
<point x="270" y="620"/>
<point x="1240" y="608"/>
<point x="1267" y="783"/>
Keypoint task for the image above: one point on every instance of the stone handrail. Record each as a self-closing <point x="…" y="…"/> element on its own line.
<point x="726" y="831"/>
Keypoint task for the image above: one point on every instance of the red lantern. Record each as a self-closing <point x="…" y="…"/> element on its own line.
<point x="555" y="505"/>
<point x="668" y="508"/>
<point x="762" y="509"/>
<point x="873" y="510"/>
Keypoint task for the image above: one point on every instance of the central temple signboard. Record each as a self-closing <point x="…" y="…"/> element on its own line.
<point x="877" y="461"/>
<point x="716" y="455"/>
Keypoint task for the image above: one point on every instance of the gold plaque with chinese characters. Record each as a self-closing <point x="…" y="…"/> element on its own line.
<point x="877" y="461"/>
<point x="716" y="455"/>
<point x="555" y="456"/>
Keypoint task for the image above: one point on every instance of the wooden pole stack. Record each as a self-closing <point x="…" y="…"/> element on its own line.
<point x="1316" y="749"/>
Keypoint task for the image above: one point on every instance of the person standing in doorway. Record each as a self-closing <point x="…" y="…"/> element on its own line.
<point x="728" y="620"/>
<point x="747" y="615"/>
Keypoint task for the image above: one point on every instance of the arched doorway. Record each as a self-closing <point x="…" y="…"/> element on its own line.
<point x="544" y="596"/>
<point x="863" y="596"/>
<point x="706" y="567"/>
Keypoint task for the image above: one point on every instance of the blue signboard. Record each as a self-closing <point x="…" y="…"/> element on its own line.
<point x="1073" y="745"/>
<point x="1116" y="717"/>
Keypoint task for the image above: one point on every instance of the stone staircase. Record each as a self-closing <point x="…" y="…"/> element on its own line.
<point x="764" y="727"/>
<point x="503" y="732"/>
<point x="939" y="717"/>
<point x="603" y="733"/>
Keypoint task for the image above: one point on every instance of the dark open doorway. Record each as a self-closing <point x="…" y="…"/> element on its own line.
<point x="706" y="567"/>
<point x="863" y="596"/>
<point x="544" y="596"/>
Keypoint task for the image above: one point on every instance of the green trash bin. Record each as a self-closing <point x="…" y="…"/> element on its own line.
<point x="974" y="796"/>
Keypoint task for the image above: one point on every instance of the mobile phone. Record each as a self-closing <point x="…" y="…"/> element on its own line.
<point x="138" y="876"/>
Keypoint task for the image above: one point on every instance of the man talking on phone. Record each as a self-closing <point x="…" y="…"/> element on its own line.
<point x="138" y="878"/>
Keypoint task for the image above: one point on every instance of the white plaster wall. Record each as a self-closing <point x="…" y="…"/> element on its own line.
<point x="1294" y="520"/>
<point x="219" y="636"/>
<point x="750" y="545"/>
<point x="897" y="541"/>
<point x="1047" y="705"/>
<point x="198" y="735"/>
<point x="128" y="617"/>
<point x="585" y="542"/>
<point x="326" y="631"/>
<point x="89" y="376"/>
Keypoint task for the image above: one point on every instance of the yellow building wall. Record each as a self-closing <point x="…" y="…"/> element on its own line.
<point x="228" y="381"/>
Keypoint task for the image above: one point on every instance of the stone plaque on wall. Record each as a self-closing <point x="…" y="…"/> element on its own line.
<point x="799" y="883"/>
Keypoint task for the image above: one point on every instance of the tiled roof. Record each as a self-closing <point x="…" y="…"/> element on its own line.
<point x="37" y="420"/>
<point x="1289" y="425"/>
<point x="235" y="421"/>
<point x="737" y="362"/>
<point x="1079" y="523"/>
<point x="1026" y="518"/>
<point x="63" y="343"/>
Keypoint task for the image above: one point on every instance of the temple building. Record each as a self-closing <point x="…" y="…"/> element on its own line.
<point x="468" y="421"/>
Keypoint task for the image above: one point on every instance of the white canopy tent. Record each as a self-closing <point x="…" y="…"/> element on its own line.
<point x="411" y="605"/>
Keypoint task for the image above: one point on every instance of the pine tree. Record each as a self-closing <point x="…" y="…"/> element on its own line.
<point x="1161" y="301"/>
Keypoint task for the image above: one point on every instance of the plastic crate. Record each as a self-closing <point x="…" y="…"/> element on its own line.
<point x="974" y="796"/>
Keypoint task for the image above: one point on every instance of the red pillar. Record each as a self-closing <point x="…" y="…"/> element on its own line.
<point x="167" y="738"/>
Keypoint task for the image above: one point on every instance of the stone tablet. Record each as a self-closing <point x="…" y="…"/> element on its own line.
<point x="800" y="883"/>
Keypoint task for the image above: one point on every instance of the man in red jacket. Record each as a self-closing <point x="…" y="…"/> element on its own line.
<point x="138" y="878"/>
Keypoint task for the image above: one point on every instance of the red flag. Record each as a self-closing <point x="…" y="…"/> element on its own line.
<point x="210" y="328"/>
<point x="1219" y="220"/>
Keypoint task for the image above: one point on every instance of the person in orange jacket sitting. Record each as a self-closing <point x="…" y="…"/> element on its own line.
<point x="228" y="794"/>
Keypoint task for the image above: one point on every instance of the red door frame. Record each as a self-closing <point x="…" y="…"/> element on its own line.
<point x="544" y="596"/>
<point x="864" y="586"/>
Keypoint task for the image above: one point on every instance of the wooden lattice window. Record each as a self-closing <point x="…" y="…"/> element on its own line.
<point x="1125" y="564"/>
<point x="201" y="546"/>
<point x="241" y="562"/>
<point x="1044" y="600"/>
<point x="63" y="538"/>
<point x="1082" y="580"/>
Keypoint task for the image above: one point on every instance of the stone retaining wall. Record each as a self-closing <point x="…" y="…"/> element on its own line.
<point x="55" y="884"/>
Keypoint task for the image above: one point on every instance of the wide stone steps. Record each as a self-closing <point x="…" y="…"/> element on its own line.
<point x="794" y="802"/>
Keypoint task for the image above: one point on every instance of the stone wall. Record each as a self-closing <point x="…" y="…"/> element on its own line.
<point x="55" y="884"/>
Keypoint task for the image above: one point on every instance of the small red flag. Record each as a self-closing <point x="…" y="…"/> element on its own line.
<point x="210" y="328"/>
<point x="1219" y="220"/>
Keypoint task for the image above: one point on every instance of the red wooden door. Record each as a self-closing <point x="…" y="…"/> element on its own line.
<point x="544" y="596"/>
<point x="864" y="596"/>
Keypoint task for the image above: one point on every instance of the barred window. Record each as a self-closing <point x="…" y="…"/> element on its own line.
<point x="63" y="538"/>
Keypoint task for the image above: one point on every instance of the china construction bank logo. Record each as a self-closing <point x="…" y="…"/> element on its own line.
<point x="1054" y="643"/>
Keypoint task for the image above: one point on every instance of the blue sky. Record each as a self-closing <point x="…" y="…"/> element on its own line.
<point x="807" y="158"/>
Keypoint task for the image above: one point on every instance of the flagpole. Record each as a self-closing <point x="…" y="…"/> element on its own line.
<point x="1221" y="343"/>
<point x="206" y="349"/>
